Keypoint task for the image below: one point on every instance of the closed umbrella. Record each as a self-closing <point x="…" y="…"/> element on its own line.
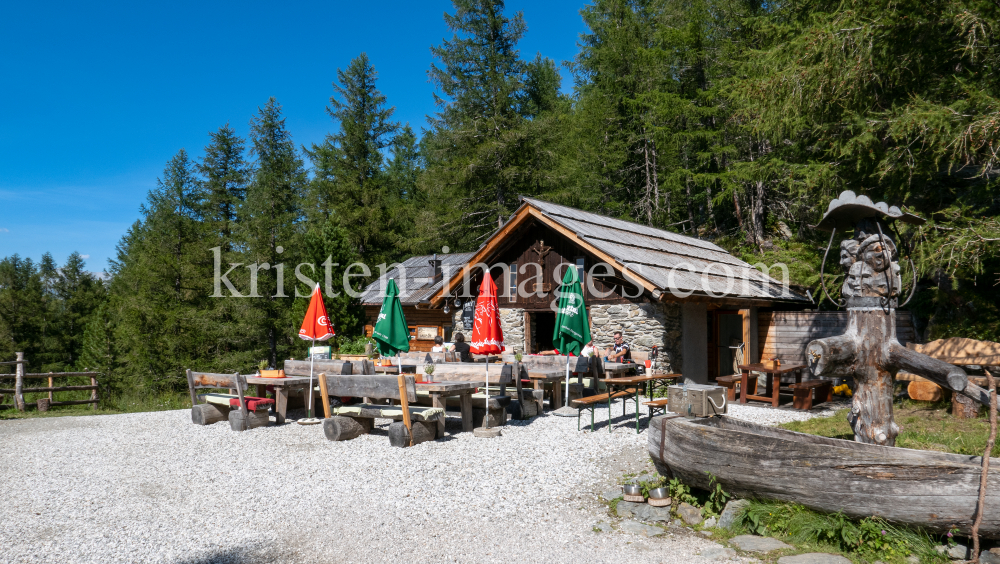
<point x="315" y="327"/>
<point x="487" y="335"/>
<point x="572" y="329"/>
<point x="391" y="334"/>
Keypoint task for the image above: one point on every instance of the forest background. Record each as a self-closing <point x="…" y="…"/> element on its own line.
<point x="729" y="120"/>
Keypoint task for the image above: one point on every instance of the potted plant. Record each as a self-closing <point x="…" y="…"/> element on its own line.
<point x="428" y="370"/>
<point x="269" y="373"/>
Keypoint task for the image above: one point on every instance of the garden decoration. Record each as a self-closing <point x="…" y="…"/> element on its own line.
<point x="869" y="351"/>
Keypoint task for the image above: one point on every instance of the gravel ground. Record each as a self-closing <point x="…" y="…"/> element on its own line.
<point x="152" y="487"/>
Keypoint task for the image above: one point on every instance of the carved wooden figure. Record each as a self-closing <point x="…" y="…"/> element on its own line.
<point x="869" y="351"/>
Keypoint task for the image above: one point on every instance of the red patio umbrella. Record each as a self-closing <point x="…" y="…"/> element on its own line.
<point x="487" y="335"/>
<point x="315" y="327"/>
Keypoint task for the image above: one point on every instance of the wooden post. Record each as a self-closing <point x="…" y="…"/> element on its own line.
<point x="527" y="332"/>
<point x="93" y="393"/>
<point x="19" y="382"/>
<point x="405" y="403"/>
<point x="326" y="396"/>
<point x="51" y="384"/>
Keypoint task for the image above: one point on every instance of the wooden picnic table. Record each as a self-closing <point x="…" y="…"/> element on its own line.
<point x="282" y="387"/>
<point x="635" y="382"/>
<point x="773" y="374"/>
<point x="540" y="378"/>
<point x="441" y="390"/>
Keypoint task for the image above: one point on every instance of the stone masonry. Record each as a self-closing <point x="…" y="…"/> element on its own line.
<point x="511" y="321"/>
<point x="643" y="326"/>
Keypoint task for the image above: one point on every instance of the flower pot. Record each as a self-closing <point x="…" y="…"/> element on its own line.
<point x="272" y="373"/>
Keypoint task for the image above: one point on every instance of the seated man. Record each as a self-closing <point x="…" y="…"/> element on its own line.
<point x="620" y="351"/>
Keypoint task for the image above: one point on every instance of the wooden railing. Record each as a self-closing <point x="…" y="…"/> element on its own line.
<point x="43" y="404"/>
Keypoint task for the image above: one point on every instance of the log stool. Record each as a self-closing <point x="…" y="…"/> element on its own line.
<point x="730" y="383"/>
<point x="804" y="393"/>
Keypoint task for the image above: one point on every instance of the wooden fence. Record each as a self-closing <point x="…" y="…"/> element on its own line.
<point x="19" y="389"/>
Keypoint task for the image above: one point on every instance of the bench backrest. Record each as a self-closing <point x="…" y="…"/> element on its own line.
<point x="200" y="380"/>
<point x="547" y="363"/>
<point x="301" y="367"/>
<point x="470" y="371"/>
<point x="330" y="367"/>
<point x="430" y="357"/>
<point x="370" y="386"/>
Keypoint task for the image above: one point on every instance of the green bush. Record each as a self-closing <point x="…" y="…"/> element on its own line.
<point x="356" y="345"/>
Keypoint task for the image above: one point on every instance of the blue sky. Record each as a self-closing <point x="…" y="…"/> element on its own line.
<point x="97" y="97"/>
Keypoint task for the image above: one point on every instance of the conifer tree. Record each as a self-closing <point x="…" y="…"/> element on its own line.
<point x="269" y="226"/>
<point x="351" y="184"/>
<point x="482" y="152"/>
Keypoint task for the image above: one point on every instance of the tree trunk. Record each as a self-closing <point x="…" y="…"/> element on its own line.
<point x="871" y="412"/>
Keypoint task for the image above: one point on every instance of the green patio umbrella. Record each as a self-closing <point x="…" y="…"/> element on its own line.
<point x="390" y="332"/>
<point x="572" y="329"/>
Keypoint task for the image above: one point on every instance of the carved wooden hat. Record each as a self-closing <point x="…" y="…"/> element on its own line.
<point x="848" y="209"/>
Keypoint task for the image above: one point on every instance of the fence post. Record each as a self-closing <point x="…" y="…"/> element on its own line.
<point x="51" y="384"/>
<point x="19" y="383"/>
<point x="93" y="393"/>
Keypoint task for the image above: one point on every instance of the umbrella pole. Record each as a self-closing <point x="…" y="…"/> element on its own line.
<point x="309" y="410"/>
<point x="486" y="422"/>
<point x="567" y="379"/>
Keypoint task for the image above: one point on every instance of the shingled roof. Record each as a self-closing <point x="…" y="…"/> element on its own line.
<point x="696" y="265"/>
<point x="419" y="284"/>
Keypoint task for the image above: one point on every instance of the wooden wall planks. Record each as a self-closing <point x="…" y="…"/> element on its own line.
<point x="787" y="334"/>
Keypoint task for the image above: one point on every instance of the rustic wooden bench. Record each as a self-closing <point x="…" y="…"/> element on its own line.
<point x="411" y="424"/>
<point x="243" y="412"/>
<point x="591" y="402"/>
<point x="657" y="405"/>
<point x="500" y="376"/>
<point x="805" y="393"/>
<point x="730" y="383"/>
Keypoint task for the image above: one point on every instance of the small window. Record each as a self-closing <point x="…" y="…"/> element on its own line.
<point x="581" y="268"/>
<point x="512" y="286"/>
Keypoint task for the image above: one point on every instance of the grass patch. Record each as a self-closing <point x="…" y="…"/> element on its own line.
<point x="129" y="402"/>
<point x="923" y="426"/>
<point x="866" y="540"/>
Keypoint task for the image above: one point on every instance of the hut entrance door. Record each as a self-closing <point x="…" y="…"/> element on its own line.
<point x="541" y="333"/>
<point x="725" y="330"/>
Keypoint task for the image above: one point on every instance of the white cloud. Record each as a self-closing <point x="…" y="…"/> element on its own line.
<point x="85" y="256"/>
<point x="4" y="230"/>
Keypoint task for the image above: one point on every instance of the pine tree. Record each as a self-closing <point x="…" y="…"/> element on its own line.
<point x="225" y="175"/>
<point x="482" y="152"/>
<point x="270" y="222"/>
<point x="159" y="282"/>
<point x="79" y="294"/>
<point x="22" y="307"/>
<point x="351" y="184"/>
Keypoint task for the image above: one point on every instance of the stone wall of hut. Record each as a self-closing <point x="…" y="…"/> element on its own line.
<point x="644" y="326"/>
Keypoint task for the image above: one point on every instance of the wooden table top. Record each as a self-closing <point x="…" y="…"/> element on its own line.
<point x="640" y="379"/>
<point x="447" y="386"/>
<point x="286" y="381"/>
<point x="770" y="369"/>
<point x="553" y="375"/>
